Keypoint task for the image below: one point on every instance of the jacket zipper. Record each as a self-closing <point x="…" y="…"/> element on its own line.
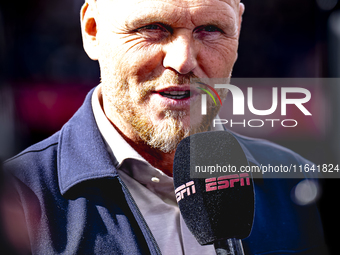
<point x="139" y="217"/>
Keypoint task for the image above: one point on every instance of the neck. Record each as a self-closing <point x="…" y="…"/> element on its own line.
<point x="158" y="159"/>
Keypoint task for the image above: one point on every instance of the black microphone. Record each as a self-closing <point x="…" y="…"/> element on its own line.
<point x="218" y="208"/>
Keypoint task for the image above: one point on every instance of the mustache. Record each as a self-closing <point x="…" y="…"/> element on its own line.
<point x="174" y="78"/>
<point x="158" y="81"/>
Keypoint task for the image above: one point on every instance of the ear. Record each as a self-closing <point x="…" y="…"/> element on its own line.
<point x="88" y="15"/>
<point x="241" y="11"/>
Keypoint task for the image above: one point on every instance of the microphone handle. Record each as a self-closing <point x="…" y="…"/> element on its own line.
<point x="231" y="246"/>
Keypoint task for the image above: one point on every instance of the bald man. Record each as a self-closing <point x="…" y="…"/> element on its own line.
<point x="103" y="183"/>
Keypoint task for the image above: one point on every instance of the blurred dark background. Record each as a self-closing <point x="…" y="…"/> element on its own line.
<point x="45" y="74"/>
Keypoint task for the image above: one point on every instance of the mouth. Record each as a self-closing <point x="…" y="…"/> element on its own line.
<point x="176" y="94"/>
<point x="181" y="93"/>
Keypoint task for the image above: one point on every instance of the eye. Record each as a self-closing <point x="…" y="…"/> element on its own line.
<point x="211" y="28"/>
<point x="208" y="32"/>
<point x="152" y="27"/>
<point x="154" y="32"/>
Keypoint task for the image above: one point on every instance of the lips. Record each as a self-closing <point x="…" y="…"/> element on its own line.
<point x="182" y="92"/>
<point x="175" y="97"/>
<point x="176" y="94"/>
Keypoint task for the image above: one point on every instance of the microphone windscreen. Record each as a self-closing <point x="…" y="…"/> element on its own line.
<point x="221" y="205"/>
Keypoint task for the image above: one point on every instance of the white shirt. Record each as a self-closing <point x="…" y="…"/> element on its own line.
<point x="152" y="190"/>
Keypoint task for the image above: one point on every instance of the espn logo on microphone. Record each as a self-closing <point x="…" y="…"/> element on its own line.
<point x="212" y="184"/>
<point x="188" y="189"/>
<point x="227" y="181"/>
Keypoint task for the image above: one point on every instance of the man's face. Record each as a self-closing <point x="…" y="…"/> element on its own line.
<point x="150" y="51"/>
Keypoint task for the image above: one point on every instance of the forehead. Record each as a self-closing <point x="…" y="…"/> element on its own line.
<point x="185" y="3"/>
<point x="179" y="11"/>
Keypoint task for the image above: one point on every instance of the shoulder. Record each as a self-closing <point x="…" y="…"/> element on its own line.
<point x="264" y="151"/>
<point x="35" y="161"/>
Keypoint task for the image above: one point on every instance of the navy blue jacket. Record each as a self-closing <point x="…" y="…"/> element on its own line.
<point x="75" y="203"/>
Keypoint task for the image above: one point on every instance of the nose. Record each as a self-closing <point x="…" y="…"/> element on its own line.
<point x="180" y="54"/>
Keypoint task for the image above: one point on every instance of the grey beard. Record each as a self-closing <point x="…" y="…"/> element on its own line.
<point x="164" y="137"/>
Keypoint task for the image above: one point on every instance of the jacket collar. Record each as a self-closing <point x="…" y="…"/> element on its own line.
<point x="82" y="153"/>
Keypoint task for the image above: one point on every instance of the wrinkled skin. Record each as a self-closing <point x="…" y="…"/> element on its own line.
<point x="149" y="47"/>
